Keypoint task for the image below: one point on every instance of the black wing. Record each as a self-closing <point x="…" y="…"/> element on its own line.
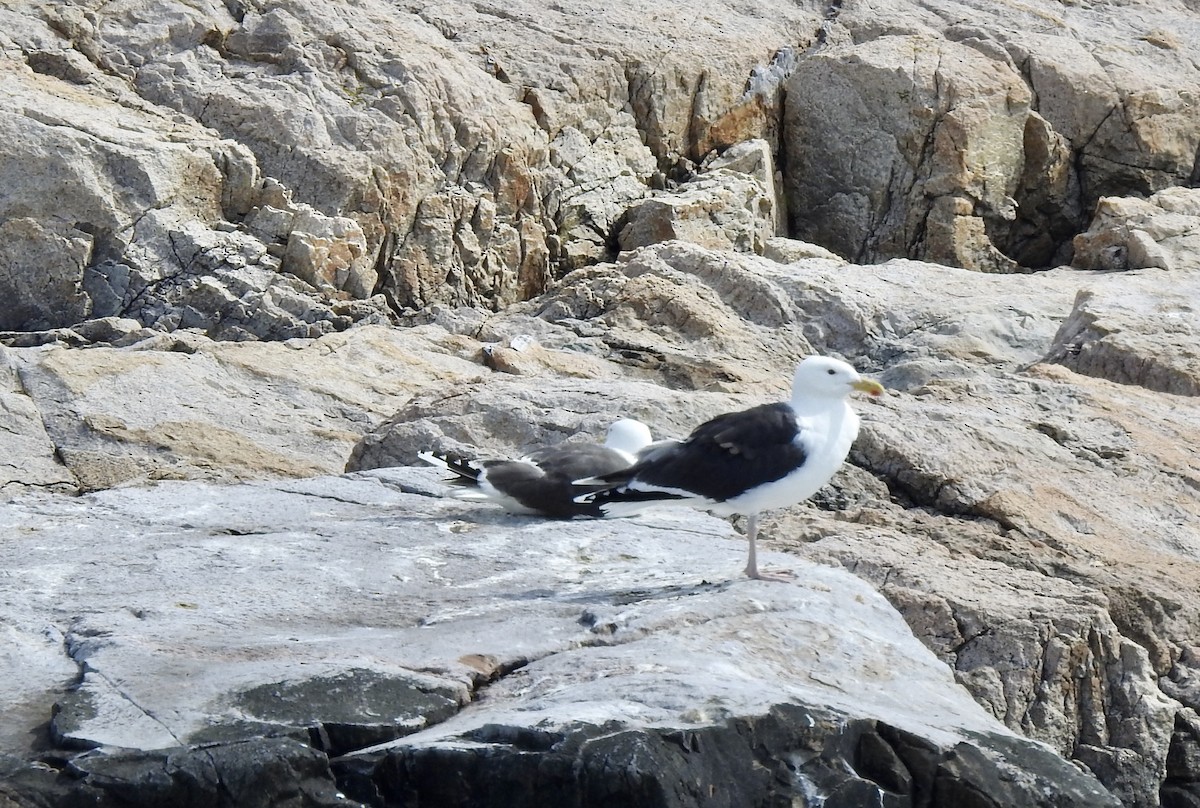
<point x="721" y="459"/>
<point x="549" y="488"/>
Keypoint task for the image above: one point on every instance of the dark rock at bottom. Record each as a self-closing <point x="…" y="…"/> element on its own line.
<point x="257" y="773"/>
<point x="791" y="756"/>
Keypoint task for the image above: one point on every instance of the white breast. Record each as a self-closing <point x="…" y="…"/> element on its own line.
<point x="826" y="439"/>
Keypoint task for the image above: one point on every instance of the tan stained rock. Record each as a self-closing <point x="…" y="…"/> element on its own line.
<point x="721" y="210"/>
<point x="329" y="252"/>
<point x="185" y="407"/>
<point x="1162" y="232"/>
<point x="789" y="250"/>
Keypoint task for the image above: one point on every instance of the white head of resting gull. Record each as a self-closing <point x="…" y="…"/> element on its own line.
<point x="542" y="481"/>
<point x="750" y="461"/>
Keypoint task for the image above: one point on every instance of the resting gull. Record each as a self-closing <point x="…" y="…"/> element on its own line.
<point x="541" y="482"/>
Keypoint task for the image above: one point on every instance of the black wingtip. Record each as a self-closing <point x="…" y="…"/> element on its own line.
<point x="626" y="495"/>
<point x="461" y="465"/>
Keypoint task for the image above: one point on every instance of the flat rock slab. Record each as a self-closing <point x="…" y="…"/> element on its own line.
<point x="181" y="406"/>
<point x="349" y="612"/>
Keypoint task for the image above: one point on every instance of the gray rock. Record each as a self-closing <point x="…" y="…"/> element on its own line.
<point x="963" y="448"/>
<point x="613" y="646"/>
<point x="29" y="453"/>
<point x="720" y="210"/>
<point x="504" y="418"/>
<point x="965" y="442"/>
<point x="835" y="762"/>
<point x="1160" y="232"/>
<point x="1025" y="499"/>
<point x="475" y="168"/>
<point x="754" y="157"/>
<point x="52" y="297"/>
<point x="787" y="251"/>
<point x="1142" y="334"/>
<point x="906" y="147"/>
<point x="259" y="772"/>
<point x="1112" y="337"/>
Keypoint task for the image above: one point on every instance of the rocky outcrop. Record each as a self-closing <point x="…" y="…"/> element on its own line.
<point x="259" y="772"/>
<point x="1130" y="233"/>
<point x="1074" y="630"/>
<point x="923" y="139"/>
<point x="721" y="210"/>
<point x="267" y="172"/>
<point x="139" y="406"/>
<point x="264" y="242"/>
<point x="1042" y="592"/>
<point x="585" y="665"/>
<point x="844" y="763"/>
<point x="1145" y="339"/>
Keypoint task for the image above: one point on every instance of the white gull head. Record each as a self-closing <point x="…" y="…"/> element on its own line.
<point x="628" y="437"/>
<point x="827" y="378"/>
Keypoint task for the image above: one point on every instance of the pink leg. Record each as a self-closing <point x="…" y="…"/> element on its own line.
<point x="752" y="569"/>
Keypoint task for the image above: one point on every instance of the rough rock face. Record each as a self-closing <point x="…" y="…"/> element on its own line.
<point x="1146" y="339"/>
<point x="1045" y="593"/>
<point x="721" y="210"/>
<point x="945" y="133"/>
<point x="266" y="171"/>
<point x="162" y="406"/>
<point x="187" y="141"/>
<point x="1142" y="233"/>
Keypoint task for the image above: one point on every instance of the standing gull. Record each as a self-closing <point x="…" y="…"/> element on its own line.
<point x="542" y="481"/>
<point x="746" y="462"/>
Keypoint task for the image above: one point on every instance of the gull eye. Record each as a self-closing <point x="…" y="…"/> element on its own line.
<point x="831" y="371"/>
